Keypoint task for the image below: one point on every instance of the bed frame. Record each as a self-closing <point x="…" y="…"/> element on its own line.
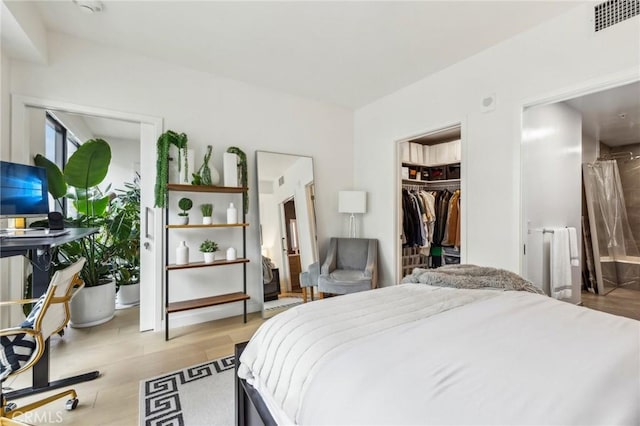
<point x="250" y="408"/>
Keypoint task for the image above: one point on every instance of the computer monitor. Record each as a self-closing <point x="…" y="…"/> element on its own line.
<point x="23" y="190"/>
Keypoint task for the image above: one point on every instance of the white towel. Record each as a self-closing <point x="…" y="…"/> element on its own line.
<point x="573" y="247"/>
<point x="560" y="264"/>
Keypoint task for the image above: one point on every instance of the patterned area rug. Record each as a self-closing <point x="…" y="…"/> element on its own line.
<point x="195" y="396"/>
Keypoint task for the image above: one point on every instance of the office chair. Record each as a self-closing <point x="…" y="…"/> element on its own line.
<point x="24" y="345"/>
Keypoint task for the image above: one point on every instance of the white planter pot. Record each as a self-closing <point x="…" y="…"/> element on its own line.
<point x="209" y="257"/>
<point x="128" y="294"/>
<point x="206" y="220"/>
<point x="183" y="220"/>
<point x="93" y="305"/>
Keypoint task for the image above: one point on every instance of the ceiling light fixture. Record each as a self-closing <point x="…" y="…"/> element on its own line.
<point x="622" y="115"/>
<point x="90" y="6"/>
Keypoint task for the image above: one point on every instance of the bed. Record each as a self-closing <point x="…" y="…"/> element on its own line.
<point x="423" y="354"/>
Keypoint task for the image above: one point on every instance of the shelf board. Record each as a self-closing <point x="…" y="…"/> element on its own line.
<point x="207" y="188"/>
<point x="204" y="265"/>
<point x="431" y="181"/>
<point x="408" y="163"/>
<point x="221" y="299"/>
<point x="213" y="225"/>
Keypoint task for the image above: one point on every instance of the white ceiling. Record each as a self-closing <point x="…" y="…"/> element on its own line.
<point x="344" y="52"/>
<point x="613" y="115"/>
<point x="107" y="128"/>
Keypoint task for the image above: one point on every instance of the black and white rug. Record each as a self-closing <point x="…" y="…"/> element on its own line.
<point x="195" y="396"/>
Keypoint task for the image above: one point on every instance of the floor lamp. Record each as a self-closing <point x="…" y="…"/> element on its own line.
<point x="352" y="202"/>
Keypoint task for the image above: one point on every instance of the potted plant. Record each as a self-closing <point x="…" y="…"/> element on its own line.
<point x="165" y="141"/>
<point x="185" y="205"/>
<point x="126" y="206"/>
<point x="209" y="249"/>
<point x="80" y="184"/>
<point x="207" y="211"/>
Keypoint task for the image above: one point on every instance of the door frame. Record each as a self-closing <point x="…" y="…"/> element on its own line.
<point x="562" y="94"/>
<point x="151" y="128"/>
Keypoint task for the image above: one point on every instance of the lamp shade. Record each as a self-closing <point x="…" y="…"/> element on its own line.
<point x="352" y="202"/>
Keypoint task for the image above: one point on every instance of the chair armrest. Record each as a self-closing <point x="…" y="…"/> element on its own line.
<point x="18" y="302"/>
<point x="370" y="271"/>
<point x="329" y="264"/>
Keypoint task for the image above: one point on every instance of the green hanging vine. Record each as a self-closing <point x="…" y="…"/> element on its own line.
<point x="165" y="140"/>
<point x="242" y="173"/>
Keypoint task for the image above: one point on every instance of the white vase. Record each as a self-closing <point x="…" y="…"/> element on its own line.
<point x="209" y="257"/>
<point x="206" y="220"/>
<point x="215" y="176"/>
<point x="231" y="253"/>
<point x="232" y="215"/>
<point x="182" y="253"/>
<point x="128" y="294"/>
<point x="93" y="305"/>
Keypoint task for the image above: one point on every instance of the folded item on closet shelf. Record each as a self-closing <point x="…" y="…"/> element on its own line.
<point x="573" y="247"/>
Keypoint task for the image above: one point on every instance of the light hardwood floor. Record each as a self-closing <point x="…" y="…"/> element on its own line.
<point x="124" y="357"/>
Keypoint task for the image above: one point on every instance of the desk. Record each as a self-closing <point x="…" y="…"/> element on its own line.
<point x="37" y="251"/>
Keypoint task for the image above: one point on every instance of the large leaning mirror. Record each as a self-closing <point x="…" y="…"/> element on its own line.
<point x="287" y="228"/>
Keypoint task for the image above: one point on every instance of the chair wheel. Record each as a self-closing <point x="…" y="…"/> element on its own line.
<point x="71" y="404"/>
<point x="10" y="407"/>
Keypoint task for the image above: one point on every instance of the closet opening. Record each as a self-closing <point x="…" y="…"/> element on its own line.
<point x="429" y="218"/>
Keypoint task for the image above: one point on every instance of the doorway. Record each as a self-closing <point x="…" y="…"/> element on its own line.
<point x="580" y="170"/>
<point x="291" y="245"/>
<point x="149" y="129"/>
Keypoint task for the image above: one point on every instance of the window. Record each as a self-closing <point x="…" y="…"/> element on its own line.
<point x="59" y="145"/>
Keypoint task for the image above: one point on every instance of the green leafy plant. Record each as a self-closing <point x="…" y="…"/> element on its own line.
<point x="242" y="173"/>
<point x="81" y="179"/>
<point x="208" y="246"/>
<point x="206" y="209"/>
<point x="185" y="205"/>
<point x="126" y="207"/>
<point x="165" y="141"/>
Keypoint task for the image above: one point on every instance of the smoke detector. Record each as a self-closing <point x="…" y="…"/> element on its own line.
<point x="90" y="6"/>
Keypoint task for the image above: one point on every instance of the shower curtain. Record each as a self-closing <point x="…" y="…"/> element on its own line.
<point x="611" y="233"/>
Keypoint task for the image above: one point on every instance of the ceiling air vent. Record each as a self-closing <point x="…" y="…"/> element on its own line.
<point x="613" y="11"/>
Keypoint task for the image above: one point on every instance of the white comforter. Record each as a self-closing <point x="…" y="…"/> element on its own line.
<point x="416" y="354"/>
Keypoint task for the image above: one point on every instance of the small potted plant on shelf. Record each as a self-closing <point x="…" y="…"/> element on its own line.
<point x="185" y="205"/>
<point x="209" y="249"/>
<point x="207" y="211"/>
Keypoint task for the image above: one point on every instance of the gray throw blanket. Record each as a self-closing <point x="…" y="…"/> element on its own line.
<point x="471" y="276"/>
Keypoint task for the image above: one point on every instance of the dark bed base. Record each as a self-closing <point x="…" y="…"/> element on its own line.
<point x="250" y="408"/>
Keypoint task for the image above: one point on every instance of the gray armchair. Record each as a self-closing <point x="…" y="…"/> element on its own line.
<point x="351" y="266"/>
<point x="309" y="279"/>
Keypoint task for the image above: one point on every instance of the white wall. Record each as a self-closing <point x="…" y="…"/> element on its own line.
<point x="560" y="55"/>
<point x="125" y="161"/>
<point x="5" y="107"/>
<point x="211" y="110"/>
<point x="76" y="125"/>
<point x="551" y="186"/>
